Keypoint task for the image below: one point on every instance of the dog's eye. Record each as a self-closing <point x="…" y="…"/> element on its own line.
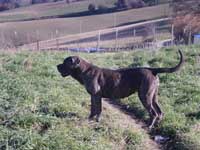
<point x="67" y="61"/>
<point x="73" y="60"/>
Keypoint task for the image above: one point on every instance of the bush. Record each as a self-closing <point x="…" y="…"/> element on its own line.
<point x="2" y="8"/>
<point x="92" y="8"/>
<point x="121" y="4"/>
<point x="102" y="9"/>
<point x="150" y="2"/>
<point x="127" y="4"/>
<point x="136" y="3"/>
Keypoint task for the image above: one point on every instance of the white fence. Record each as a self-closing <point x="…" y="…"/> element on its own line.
<point x="149" y="34"/>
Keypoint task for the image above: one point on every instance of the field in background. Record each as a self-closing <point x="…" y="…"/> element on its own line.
<point x="30" y="31"/>
<point x="147" y="34"/>
<point x="53" y="9"/>
<point x="41" y="110"/>
<point x="57" y="9"/>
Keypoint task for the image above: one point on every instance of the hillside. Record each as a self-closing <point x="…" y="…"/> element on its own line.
<point x="30" y="31"/>
<point x="51" y="10"/>
<point x="41" y="110"/>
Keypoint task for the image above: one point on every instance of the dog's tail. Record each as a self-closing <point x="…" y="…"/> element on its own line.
<point x="170" y="70"/>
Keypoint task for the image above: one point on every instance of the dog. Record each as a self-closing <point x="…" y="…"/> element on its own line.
<point x="120" y="83"/>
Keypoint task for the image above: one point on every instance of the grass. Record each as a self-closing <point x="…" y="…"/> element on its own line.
<point x="39" y="110"/>
<point x="179" y="97"/>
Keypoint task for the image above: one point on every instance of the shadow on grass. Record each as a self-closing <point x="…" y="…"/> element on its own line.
<point x="193" y="115"/>
<point x="138" y="114"/>
<point x="133" y="111"/>
<point x="89" y="13"/>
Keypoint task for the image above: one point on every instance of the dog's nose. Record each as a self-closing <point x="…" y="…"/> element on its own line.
<point x="59" y="67"/>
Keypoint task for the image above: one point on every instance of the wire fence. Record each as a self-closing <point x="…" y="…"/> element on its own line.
<point x="149" y="34"/>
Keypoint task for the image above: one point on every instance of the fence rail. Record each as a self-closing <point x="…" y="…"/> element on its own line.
<point x="146" y="35"/>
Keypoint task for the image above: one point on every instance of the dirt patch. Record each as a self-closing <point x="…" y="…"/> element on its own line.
<point x="125" y="120"/>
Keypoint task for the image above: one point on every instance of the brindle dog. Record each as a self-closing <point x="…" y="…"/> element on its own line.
<point x="107" y="83"/>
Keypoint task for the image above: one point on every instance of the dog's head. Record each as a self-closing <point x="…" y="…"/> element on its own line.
<point x="69" y="65"/>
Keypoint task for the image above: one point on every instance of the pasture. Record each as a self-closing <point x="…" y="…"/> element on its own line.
<point x="51" y="10"/>
<point x="55" y="10"/>
<point x="40" y="110"/>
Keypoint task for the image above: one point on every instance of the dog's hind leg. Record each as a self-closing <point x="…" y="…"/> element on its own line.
<point x="157" y="106"/>
<point x="146" y="93"/>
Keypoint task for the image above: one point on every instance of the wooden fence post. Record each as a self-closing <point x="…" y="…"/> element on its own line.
<point x="38" y="45"/>
<point x="155" y="36"/>
<point x="57" y="44"/>
<point x="98" y="40"/>
<point x="190" y="36"/>
<point x="116" y="39"/>
<point x="172" y="36"/>
<point x="134" y="32"/>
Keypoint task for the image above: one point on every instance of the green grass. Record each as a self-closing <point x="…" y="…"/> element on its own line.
<point x="41" y="110"/>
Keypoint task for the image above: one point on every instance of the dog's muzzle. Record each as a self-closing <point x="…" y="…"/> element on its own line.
<point x="62" y="71"/>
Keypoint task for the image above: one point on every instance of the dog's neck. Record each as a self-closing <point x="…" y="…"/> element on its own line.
<point x="76" y="75"/>
<point x="83" y="68"/>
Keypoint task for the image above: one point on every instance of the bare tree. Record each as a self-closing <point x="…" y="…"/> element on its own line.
<point x="186" y="19"/>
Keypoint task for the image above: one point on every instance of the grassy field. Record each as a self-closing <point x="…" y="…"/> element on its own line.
<point x="40" y="110"/>
<point x="53" y="9"/>
<point x="29" y="31"/>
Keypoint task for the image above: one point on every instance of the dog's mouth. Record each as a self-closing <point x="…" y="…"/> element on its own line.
<point x="63" y="73"/>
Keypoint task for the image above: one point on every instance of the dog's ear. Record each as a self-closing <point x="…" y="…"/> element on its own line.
<point x="75" y="61"/>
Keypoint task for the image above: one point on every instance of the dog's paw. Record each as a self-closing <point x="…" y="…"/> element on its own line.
<point x="91" y="118"/>
<point x="98" y="118"/>
<point x="150" y="127"/>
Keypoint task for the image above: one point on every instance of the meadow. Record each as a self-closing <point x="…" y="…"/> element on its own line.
<point x="52" y="10"/>
<point x="40" y="110"/>
<point x="55" y="10"/>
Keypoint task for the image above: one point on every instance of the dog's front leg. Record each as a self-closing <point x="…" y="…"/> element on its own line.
<point x="92" y="108"/>
<point x="96" y="108"/>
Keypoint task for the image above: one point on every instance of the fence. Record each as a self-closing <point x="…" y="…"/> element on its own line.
<point x="149" y="34"/>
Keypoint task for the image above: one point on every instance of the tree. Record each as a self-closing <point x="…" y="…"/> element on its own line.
<point x="150" y="2"/>
<point x="186" y="20"/>
<point x="127" y="4"/>
<point x="136" y="3"/>
<point x="102" y="9"/>
<point x="67" y="1"/>
<point x="91" y="8"/>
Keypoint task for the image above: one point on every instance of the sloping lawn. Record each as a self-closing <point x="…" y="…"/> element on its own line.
<point x="41" y="110"/>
